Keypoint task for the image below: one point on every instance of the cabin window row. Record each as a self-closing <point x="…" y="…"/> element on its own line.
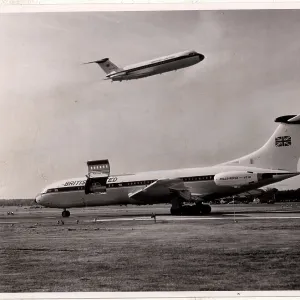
<point x="198" y="178"/>
<point x="67" y="189"/>
<point x="147" y="182"/>
<point x="133" y="183"/>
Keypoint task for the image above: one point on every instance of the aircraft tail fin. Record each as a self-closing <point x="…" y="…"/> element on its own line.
<point x="281" y="151"/>
<point x="106" y="65"/>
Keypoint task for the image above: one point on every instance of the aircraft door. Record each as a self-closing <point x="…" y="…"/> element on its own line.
<point x="98" y="173"/>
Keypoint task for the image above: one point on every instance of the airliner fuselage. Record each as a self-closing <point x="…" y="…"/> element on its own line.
<point x="152" y="67"/>
<point x="158" y="66"/>
<point x="71" y="193"/>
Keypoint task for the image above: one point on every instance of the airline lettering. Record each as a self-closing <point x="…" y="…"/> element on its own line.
<point x="72" y="183"/>
<point x="112" y="179"/>
<point x="235" y="177"/>
<point x="82" y="182"/>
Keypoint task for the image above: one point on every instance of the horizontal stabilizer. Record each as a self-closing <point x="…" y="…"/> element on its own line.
<point x="295" y="119"/>
<point x="96" y="61"/>
<point x="288" y="119"/>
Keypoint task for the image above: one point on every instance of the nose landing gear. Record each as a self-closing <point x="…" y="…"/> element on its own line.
<point x="65" y="213"/>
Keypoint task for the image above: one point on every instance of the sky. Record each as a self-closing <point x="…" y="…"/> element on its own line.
<point x="56" y="113"/>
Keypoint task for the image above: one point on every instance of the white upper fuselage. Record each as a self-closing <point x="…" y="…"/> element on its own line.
<point x="157" y="66"/>
<point x="70" y="193"/>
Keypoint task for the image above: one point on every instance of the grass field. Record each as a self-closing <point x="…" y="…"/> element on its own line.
<point x="144" y="256"/>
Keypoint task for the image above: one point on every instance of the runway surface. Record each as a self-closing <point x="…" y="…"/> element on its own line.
<point x="143" y="213"/>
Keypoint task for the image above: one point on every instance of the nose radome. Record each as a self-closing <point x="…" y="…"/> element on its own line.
<point x="201" y="56"/>
<point x="38" y="198"/>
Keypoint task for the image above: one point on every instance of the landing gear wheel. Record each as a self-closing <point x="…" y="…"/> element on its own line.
<point x="65" y="214"/>
<point x="175" y="211"/>
<point x="205" y="209"/>
<point x="186" y="210"/>
<point x="190" y="210"/>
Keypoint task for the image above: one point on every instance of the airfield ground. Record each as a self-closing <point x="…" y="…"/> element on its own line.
<point x="125" y="250"/>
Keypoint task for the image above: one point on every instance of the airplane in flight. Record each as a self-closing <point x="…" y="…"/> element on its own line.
<point x="186" y="190"/>
<point x="152" y="67"/>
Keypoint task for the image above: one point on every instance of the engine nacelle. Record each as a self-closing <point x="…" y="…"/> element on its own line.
<point x="236" y="178"/>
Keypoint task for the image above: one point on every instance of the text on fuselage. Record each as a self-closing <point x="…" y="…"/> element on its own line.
<point x="82" y="182"/>
<point x="235" y="177"/>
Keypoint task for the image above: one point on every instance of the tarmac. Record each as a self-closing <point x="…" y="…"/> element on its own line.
<point x="139" y="214"/>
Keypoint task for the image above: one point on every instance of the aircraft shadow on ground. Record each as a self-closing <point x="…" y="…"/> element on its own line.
<point x="224" y="214"/>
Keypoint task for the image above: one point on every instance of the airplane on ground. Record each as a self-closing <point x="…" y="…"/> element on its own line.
<point x="152" y="67"/>
<point x="275" y="161"/>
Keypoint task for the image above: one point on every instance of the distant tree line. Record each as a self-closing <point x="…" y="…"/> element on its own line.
<point x="274" y="195"/>
<point x="287" y="195"/>
<point x="17" y="202"/>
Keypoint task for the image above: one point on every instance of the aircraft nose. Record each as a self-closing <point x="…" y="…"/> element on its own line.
<point x="38" y="198"/>
<point x="201" y="56"/>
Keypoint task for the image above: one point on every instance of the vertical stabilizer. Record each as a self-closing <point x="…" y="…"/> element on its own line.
<point x="106" y="65"/>
<point x="281" y="151"/>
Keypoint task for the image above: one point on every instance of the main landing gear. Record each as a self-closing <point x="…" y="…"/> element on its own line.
<point x="198" y="209"/>
<point x="65" y="213"/>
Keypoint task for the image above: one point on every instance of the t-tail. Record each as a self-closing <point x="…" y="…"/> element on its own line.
<point x="280" y="152"/>
<point x="106" y="65"/>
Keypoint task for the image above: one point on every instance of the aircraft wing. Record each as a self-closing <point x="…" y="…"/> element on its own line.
<point x="161" y="186"/>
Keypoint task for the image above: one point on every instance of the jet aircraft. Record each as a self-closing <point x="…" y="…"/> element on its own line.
<point x="186" y="190"/>
<point x="149" y="68"/>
